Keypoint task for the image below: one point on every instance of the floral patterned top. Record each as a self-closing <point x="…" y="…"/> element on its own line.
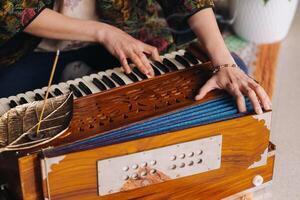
<point x="140" y="18"/>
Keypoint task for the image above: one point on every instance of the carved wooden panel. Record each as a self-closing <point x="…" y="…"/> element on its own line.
<point x="117" y="107"/>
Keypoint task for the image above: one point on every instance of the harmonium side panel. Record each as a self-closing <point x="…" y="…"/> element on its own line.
<point x="244" y="142"/>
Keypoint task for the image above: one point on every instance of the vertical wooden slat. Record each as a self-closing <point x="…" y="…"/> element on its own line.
<point x="266" y="64"/>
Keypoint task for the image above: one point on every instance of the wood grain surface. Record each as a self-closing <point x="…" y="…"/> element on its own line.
<point x="75" y="177"/>
<point x="266" y="64"/>
<point x="244" y="140"/>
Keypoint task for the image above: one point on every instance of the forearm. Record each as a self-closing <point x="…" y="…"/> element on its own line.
<point x="53" y="25"/>
<point x="206" y="29"/>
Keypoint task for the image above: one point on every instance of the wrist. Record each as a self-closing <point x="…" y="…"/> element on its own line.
<point x="94" y="31"/>
<point x="222" y="58"/>
<point x="219" y="53"/>
<point x="99" y="34"/>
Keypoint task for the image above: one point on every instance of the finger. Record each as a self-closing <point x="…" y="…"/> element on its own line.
<point x="206" y="88"/>
<point x="149" y="70"/>
<point x="234" y="90"/>
<point x="124" y="63"/>
<point x="262" y="95"/>
<point x="138" y="63"/>
<point x="153" y="51"/>
<point x="254" y="100"/>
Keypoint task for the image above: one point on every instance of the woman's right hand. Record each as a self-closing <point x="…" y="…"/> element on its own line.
<point x="53" y="25"/>
<point x="123" y="47"/>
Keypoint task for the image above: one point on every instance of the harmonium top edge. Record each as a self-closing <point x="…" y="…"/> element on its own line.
<point x="100" y="117"/>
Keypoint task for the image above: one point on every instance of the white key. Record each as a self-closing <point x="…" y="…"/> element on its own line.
<point x="75" y="83"/>
<point x="4" y="106"/>
<point x="44" y="89"/>
<point x="30" y="95"/>
<point x="39" y="91"/>
<point x="88" y="81"/>
<point x="182" y="51"/>
<point x="132" y="66"/>
<point x="171" y="57"/>
<point x="53" y="87"/>
<point x="118" y="72"/>
<point x="101" y="74"/>
<point x="19" y="96"/>
<point x="13" y="98"/>
<point x="77" y="80"/>
<point x="161" y="72"/>
<point x="63" y="87"/>
<point x="92" y="76"/>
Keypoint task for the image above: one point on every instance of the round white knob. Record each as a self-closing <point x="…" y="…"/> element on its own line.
<point x="153" y="162"/>
<point x="125" y="168"/>
<point x="199" y="161"/>
<point x="182" y="156"/>
<point x="173" y="167"/>
<point x="258" y="180"/>
<point x="181" y="165"/>
<point x="144" y="173"/>
<point x="144" y="164"/>
<point x="191" y="154"/>
<point x="125" y="178"/>
<point x="135" y="166"/>
<point x="173" y="157"/>
<point x="200" y="152"/>
<point x="134" y="176"/>
<point x="152" y="171"/>
<point x="191" y="163"/>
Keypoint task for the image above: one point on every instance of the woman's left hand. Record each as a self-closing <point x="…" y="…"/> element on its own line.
<point x="238" y="84"/>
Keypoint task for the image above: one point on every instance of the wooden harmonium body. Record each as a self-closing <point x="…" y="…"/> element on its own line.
<point x="151" y="140"/>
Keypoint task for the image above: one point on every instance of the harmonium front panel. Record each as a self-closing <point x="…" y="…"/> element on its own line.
<point x="151" y="140"/>
<point x="206" y="162"/>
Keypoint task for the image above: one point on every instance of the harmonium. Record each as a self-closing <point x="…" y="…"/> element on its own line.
<point x="126" y="136"/>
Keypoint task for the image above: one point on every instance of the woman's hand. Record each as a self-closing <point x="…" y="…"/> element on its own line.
<point x="123" y="47"/>
<point x="53" y="25"/>
<point x="238" y="84"/>
<point x="234" y="80"/>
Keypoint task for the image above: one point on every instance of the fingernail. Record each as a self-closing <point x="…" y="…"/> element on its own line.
<point x="259" y="111"/>
<point x="149" y="75"/>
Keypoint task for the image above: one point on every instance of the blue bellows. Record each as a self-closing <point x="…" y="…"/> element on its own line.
<point x="219" y="109"/>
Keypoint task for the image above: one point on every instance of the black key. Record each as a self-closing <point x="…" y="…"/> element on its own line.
<point x="23" y="101"/>
<point x="170" y="64"/>
<point x="189" y="56"/>
<point x="38" y="97"/>
<point x="156" y="71"/>
<point x="117" y="78"/>
<point x="12" y="104"/>
<point x="75" y="91"/>
<point x="182" y="61"/>
<point x="139" y="73"/>
<point x="57" y="92"/>
<point x="49" y="95"/>
<point x="132" y="77"/>
<point x="161" y="66"/>
<point x="108" y="82"/>
<point x="84" y="88"/>
<point x="98" y="84"/>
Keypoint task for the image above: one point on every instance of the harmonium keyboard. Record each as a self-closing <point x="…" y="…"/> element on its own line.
<point x="133" y="137"/>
